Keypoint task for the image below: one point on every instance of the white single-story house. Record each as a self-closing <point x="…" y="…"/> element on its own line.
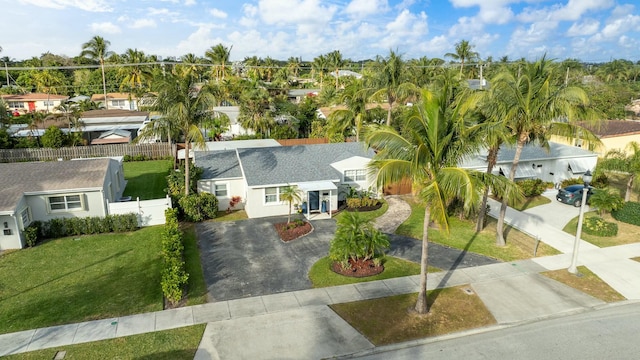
<point x="558" y="163"/>
<point x="122" y="101"/>
<point x="115" y="136"/>
<point x="96" y="122"/>
<point x="230" y="145"/>
<point x="55" y="189"/>
<point x="321" y="172"/>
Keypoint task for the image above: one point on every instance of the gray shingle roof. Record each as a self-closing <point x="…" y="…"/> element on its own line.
<point x="280" y="165"/>
<point x="220" y="164"/>
<point x="20" y="178"/>
<point x="294" y="164"/>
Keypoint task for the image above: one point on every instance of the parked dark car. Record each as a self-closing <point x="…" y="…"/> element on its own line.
<point x="572" y="195"/>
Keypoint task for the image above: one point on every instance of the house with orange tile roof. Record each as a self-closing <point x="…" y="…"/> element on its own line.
<point x="122" y="101"/>
<point x="614" y="134"/>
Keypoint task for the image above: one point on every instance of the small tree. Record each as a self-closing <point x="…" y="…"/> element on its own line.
<point x="290" y="194"/>
<point x="606" y="200"/>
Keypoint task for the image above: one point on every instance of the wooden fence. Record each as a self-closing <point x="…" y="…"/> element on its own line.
<point x="153" y="151"/>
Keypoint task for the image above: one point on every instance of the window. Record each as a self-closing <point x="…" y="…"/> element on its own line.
<point x="220" y="190"/>
<point x="25" y="216"/>
<point x="117" y="103"/>
<point x="47" y="103"/>
<point x="355" y="175"/>
<point x="65" y="202"/>
<point x="271" y="195"/>
<point x="16" y="104"/>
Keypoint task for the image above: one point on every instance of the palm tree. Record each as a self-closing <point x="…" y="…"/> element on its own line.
<point x="464" y="52"/>
<point x="530" y="106"/>
<point x="48" y="81"/>
<point x="390" y="80"/>
<point x="254" y="111"/>
<point x="97" y="49"/>
<point x="219" y="56"/>
<point x="192" y="63"/>
<point x="290" y="194"/>
<point x="428" y="154"/>
<point x="626" y="162"/>
<point x="335" y="62"/>
<point x="294" y="65"/>
<point x="136" y="77"/>
<point x="351" y="119"/>
<point x="269" y="68"/>
<point x="186" y="106"/>
<point x="71" y="115"/>
<point x="319" y="66"/>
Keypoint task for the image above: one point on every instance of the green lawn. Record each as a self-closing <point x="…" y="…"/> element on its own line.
<point x="177" y="344"/>
<point x="79" y="279"/>
<point x="528" y="203"/>
<point x="463" y="236"/>
<point x="197" y="288"/>
<point x="146" y="179"/>
<point x="321" y="274"/>
<point x="627" y="233"/>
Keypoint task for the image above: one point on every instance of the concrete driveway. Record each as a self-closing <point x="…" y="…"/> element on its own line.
<point x="247" y="258"/>
<point x="555" y="214"/>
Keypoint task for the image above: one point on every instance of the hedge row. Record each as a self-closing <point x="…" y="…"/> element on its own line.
<point x="174" y="275"/>
<point x="532" y="187"/>
<point x="356" y="202"/>
<point x="599" y="227"/>
<point x="628" y="213"/>
<point x="61" y="227"/>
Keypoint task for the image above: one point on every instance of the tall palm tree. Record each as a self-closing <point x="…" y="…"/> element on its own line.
<point x="219" y="56"/>
<point x="428" y="154"/>
<point x="464" y="52"/>
<point x="254" y="111"/>
<point x="350" y="120"/>
<point x="97" y="49"/>
<point x="626" y="162"/>
<point x="530" y="106"/>
<point x="186" y="106"/>
<point x="269" y="68"/>
<point x="335" y="62"/>
<point x="192" y="63"/>
<point x="294" y="65"/>
<point x="391" y="82"/>
<point x="71" y="114"/>
<point x="290" y="194"/>
<point x="48" y="81"/>
<point x="136" y="76"/>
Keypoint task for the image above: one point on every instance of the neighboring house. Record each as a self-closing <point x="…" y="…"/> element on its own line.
<point x="55" y="189"/>
<point x="296" y="96"/>
<point x="121" y="101"/>
<point x="34" y="102"/>
<point x="235" y="129"/>
<point x="558" y="163"/>
<point x="96" y="122"/>
<point x="321" y="172"/>
<point x="614" y="134"/>
<point x="116" y="136"/>
<point x="230" y="145"/>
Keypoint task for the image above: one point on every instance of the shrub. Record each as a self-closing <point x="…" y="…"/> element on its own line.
<point x="61" y="227"/>
<point x="174" y="275"/>
<point x="356" y="238"/>
<point x="199" y="207"/>
<point x="571" y="181"/>
<point x="31" y="235"/>
<point x="600" y="181"/>
<point x="628" y="213"/>
<point x="599" y="227"/>
<point x="532" y="187"/>
<point x="606" y="200"/>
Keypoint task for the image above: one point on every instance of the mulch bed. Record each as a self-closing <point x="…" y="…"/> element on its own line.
<point x="287" y="234"/>
<point x="358" y="269"/>
<point x="365" y="208"/>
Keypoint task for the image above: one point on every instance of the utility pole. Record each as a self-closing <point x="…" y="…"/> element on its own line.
<point x="566" y="78"/>
<point x="6" y="71"/>
<point x="481" y="79"/>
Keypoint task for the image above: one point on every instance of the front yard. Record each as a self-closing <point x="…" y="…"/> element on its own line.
<point x="146" y="179"/>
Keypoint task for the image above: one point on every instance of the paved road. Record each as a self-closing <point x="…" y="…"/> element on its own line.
<point x="609" y="333"/>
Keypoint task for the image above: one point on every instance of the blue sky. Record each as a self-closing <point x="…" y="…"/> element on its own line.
<point x="590" y="30"/>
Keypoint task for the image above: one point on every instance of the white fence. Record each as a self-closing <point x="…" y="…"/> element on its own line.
<point x="150" y="212"/>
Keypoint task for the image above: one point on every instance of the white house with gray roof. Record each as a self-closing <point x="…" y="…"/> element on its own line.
<point x="257" y="176"/>
<point x="555" y="164"/>
<point x="46" y="190"/>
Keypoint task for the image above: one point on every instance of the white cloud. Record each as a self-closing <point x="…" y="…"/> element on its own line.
<point x="621" y="22"/>
<point x="297" y="12"/>
<point x="572" y="11"/>
<point x="216" y="13"/>
<point x="189" y="2"/>
<point x="406" y="28"/>
<point x="249" y="18"/>
<point x="584" y="28"/>
<point x="143" y="23"/>
<point x="491" y="11"/>
<point x="86" y="5"/>
<point x="105" y="27"/>
<point x="161" y="12"/>
<point x="364" y="8"/>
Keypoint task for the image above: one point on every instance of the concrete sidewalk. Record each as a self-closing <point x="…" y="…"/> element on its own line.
<point x="299" y="324"/>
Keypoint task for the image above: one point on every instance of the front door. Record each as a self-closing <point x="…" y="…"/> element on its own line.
<point x="314" y="200"/>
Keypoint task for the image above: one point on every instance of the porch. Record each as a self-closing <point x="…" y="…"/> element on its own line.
<point x="319" y="198"/>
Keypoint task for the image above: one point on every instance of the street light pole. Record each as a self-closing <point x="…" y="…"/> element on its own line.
<point x="573" y="268"/>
